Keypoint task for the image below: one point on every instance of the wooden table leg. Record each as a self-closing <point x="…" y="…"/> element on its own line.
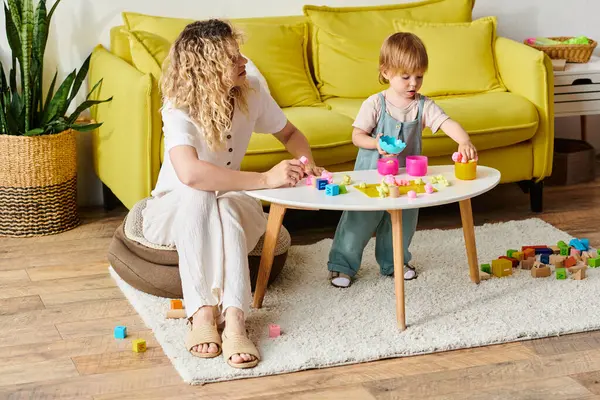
<point x="583" y="121"/>
<point x="276" y="213"/>
<point x="398" y="266"/>
<point x="466" y="214"/>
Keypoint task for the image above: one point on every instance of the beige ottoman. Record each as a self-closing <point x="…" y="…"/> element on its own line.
<point x="153" y="268"/>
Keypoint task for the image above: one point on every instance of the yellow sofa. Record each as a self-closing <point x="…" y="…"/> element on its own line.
<point x="319" y="68"/>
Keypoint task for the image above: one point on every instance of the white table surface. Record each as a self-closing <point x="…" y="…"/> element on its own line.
<point x="303" y="196"/>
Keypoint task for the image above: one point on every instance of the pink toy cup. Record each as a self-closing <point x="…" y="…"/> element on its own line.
<point x="416" y="165"/>
<point x="387" y="166"/>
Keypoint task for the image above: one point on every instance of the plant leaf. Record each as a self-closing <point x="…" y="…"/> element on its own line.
<point x="86" y="127"/>
<point x="59" y="103"/>
<point x="50" y="92"/>
<point x="84" y="106"/>
<point x="34" y="132"/>
<point x="26" y="41"/>
<point x="15" y="13"/>
<point x="80" y="77"/>
<point x="40" y="32"/>
<point x="12" y="34"/>
<point x="52" y="11"/>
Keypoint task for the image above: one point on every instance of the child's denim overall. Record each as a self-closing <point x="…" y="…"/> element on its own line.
<point x="356" y="228"/>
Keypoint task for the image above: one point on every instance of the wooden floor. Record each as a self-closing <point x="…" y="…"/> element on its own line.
<point x="58" y="307"/>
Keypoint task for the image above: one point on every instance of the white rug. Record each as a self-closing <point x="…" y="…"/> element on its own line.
<point x="323" y="326"/>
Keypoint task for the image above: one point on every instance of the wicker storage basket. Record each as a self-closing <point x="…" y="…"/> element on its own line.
<point x="38" y="184"/>
<point x="575" y="53"/>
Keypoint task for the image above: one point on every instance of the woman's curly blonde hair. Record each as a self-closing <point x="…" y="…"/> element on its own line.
<point x="197" y="76"/>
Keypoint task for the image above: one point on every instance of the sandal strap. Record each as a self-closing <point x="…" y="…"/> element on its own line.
<point x="203" y="334"/>
<point x="238" y="344"/>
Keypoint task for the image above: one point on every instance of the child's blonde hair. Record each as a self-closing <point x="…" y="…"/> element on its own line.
<point x="402" y="53"/>
<point x="197" y="76"/>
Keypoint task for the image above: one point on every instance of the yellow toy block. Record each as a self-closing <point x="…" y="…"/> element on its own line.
<point x="501" y="267"/>
<point x="139" y="345"/>
<point x="518" y="255"/>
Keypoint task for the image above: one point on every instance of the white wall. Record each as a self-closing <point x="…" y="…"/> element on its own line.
<point x="78" y="25"/>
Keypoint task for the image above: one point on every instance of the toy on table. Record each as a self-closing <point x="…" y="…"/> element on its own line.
<point x="120" y="332"/>
<point x="464" y="169"/>
<point x="394" y="188"/>
<point x="303" y="160"/>
<point x="391" y="145"/>
<point x="411" y="194"/>
<point x="332" y="189"/>
<point x="139" y="345"/>
<point x="416" y="165"/>
<point x="346" y="180"/>
<point x="388" y="166"/>
<point x="274" y="330"/>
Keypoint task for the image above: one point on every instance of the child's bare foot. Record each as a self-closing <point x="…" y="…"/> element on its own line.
<point x="235" y="324"/>
<point x="205" y="315"/>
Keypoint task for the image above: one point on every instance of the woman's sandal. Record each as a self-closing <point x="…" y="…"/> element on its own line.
<point x="239" y="344"/>
<point x="203" y="334"/>
<point x="339" y="279"/>
<point x="407" y="272"/>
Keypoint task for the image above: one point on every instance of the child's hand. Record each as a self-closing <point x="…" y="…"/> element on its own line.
<point x="467" y="150"/>
<point x="379" y="149"/>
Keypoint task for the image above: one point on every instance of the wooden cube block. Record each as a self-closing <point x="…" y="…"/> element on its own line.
<point x="554" y="258"/>
<point x="501" y="267"/>
<point x="514" y="261"/>
<point x="139" y="345"/>
<point x="541" y="272"/>
<point x="176" y="304"/>
<point x="484" y="276"/>
<point x="579" y="275"/>
<point x="555" y="249"/>
<point x="528" y="253"/>
<point x="528" y="263"/>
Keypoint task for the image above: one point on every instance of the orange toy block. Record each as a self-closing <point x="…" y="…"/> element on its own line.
<point x="176" y="304"/>
<point x="501" y="267"/>
<point x="527" y="253"/>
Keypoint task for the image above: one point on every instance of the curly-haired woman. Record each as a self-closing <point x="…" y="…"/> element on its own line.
<point x="210" y="109"/>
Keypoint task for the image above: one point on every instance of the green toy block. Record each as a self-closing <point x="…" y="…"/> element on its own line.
<point x="343" y="189"/>
<point x="564" y="251"/>
<point x="561" y="273"/>
<point x="486" y="268"/>
<point x="594" y="262"/>
<point x="561" y="244"/>
<point x="509" y="253"/>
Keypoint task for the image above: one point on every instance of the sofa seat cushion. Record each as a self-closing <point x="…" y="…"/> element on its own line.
<point x="153" y="268"/>
<point x="494" y="119"/>
<point x="329" y="134"/>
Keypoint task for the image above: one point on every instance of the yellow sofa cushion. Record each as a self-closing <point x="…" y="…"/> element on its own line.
<point x="148" y="52"/>
<point x="346" y="41"/>
<point x="278" y="50"/>
<point x="461" y="55"/>
<point x="494" y="119"/>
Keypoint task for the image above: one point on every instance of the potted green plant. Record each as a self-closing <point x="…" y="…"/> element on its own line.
<point x="38" y="158"/>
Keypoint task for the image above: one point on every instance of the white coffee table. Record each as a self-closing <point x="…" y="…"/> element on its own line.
<point x="308" y="198"/>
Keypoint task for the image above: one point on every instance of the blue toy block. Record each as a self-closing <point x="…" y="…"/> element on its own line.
<point x="585" y="243"/>
<point x="120" y="332"/>
<point x="578" y="244"/>
<point x="322" y="183"/>
<point x="545" y="259"/>
<point x="332" y="189"/>
<point x="544" y="250"/>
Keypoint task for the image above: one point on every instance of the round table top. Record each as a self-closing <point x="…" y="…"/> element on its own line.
<point x="308" y="197"/>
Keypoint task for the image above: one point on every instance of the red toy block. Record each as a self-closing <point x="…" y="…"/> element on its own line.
<point x="523" y="248"/>
<point x="514" y="261"/>
<point x="274" y="330"/>
<point x="569" y="262"/>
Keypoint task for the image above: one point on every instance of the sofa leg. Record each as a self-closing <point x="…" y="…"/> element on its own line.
<point x="110" y="200"/>
<point x="536" y="191"/>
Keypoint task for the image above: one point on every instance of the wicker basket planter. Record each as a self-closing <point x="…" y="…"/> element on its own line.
<point x="38" y="184"/>
<point x="574" y="53"/>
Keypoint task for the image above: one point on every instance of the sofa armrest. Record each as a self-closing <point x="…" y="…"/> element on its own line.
<point x="528" y="72"/>
<point x="125" y="150"/>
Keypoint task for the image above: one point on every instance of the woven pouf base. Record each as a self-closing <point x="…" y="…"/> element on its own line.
<point x="154" y="269"/>
<point x="38" y="184"/>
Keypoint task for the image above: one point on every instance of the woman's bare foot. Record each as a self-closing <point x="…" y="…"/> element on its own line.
<point x="203" y="316"/>
<point x="235" y="323"/>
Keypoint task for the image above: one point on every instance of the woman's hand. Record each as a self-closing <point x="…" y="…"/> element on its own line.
<point x="379" y="149"/>
<point x="311" y="169"/>
<point x="467" y="150"/>
<point x="285" y="174"/>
